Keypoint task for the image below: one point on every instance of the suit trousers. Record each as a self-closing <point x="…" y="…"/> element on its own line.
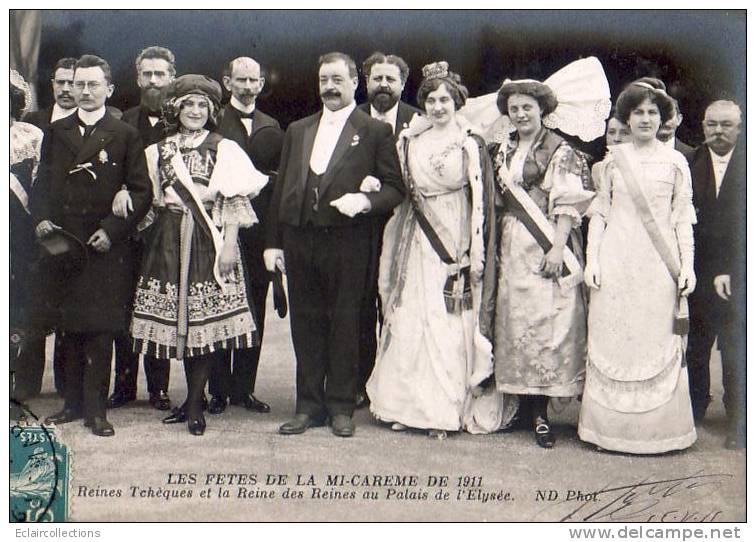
<point x="706" y="320"/>
<point x="327" y="271"/>
<point x="88" y="357"/>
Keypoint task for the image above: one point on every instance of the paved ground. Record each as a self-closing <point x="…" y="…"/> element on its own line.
<point x="500" y="477"/>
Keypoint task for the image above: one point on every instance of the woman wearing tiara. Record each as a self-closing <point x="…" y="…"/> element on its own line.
<point x="435" y="348"/>
<point x="191" y="299"/>
<point x="540" y="324"/>
<point x="640" y="270"/>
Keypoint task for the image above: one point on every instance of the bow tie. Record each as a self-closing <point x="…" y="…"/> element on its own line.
<point x="88" y="128"/>
<point x="243" y="115"/>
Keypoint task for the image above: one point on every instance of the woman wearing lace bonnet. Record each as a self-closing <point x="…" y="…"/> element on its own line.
<point x="540" y="325"/>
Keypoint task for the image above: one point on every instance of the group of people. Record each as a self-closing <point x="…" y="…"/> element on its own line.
<point x="435" y="258"/>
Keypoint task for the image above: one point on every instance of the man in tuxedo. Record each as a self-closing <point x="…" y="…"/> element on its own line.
<point x="339" y="168"/>
<point x="155" y="69"/>
<point x="385" y="77"/>
<point x="718" y="172"/>
<point x="261" y="138"/>
<point x="65" y="105"/>
<point x="85" y="159"/>
<point x="667" y="132"/>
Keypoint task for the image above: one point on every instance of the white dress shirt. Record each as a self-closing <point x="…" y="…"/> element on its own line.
<point x="59" y="113"/>
<point x="153" y="119"/>
<point x="90" y="117"/>
<point x="249" y="109"/>
<point x="329" y="129"/>
<point x="719" y="163"/>
<point x="388" y="117"/>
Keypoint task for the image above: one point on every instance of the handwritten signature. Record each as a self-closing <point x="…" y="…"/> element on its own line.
<point x="651" y="500"/>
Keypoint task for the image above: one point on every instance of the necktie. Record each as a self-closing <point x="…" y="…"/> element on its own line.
<point x="88" y="128"/>
<point x="243" y="115"/>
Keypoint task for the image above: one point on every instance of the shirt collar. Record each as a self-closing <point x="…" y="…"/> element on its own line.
<point x="236" y="104"/>
<point x="340" y="116"/>
<point x="391" y="114"/>
<point x="91" y="117"/>
<point x="59" y="113"/>
<point x="721" y="159"/>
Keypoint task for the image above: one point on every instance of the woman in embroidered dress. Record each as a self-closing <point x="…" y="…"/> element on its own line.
<point x="27" y="346"/>
<point x="191" y="299"/>
<point x="636" y="396"/>
<point x="540" y="325"/>
<point x="435" y="348"/>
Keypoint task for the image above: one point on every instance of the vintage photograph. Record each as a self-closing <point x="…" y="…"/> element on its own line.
<point x="369" y="265"/>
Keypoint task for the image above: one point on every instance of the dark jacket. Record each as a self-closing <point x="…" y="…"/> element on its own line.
<point x="137" y="117"/>
<point x="404" y="115"/>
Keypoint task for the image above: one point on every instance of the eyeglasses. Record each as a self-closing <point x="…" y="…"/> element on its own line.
<point x="156" y="75"/>
<point x="93" y="85"/>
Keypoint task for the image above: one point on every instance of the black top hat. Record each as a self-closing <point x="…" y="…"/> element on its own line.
<point x="62" y="251"/>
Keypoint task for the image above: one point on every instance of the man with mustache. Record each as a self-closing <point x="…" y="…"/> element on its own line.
<point x="155" y="68"/>
<point x="385" y="77"/>
<point x="65" y="105"/>
<point x="261" y="138"/>
<point x="339" y="169"/>
<point x="718" y="171"/>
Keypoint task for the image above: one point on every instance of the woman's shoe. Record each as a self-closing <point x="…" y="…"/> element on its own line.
<point x="439" y="434"/>
<point x="197" y="427"/>
<point x="396" y="426"/>
<point x="177" y="416"/>
<point x="543" y="435"/>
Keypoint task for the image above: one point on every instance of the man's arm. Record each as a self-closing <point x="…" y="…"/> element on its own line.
<point x="273" y="233"/>
<point x="388" y="171"/>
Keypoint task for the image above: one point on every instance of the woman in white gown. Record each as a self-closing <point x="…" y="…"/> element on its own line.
<point x="636" y="392"/>
<point x="433" y="352"/>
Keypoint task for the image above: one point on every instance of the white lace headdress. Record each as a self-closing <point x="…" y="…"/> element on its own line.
<point x="17" y="80"/>
<point x="583" y="104"/>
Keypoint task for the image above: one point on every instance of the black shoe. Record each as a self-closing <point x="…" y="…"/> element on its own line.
<point x="119" y="398"/>
<point x="197" y="427"/>
<point x="160" y="400"/>
<point x="177" y="416"/>
<point x="361" y="400"/>
<point x="100" y="427"/>
<point x="543" y="435"/>
<point x="299" y="424"/>
<point x="64" y="416"/>
<point x="342" y="425"/>
<point x="217" y="405"/>
<point x="250" y="402"/>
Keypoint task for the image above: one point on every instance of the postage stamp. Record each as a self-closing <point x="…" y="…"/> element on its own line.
<point x="39" y="474"/>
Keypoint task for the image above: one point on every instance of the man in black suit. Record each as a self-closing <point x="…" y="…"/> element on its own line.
<point x="155" y="70"/>
<point x="385" y="77"/>
<point x="261" y="138"/>
<point x="667" y="133"/>
<point x="85" y="159"/>
<point x="339" y="168"/>
<point x="65" y="105"/>
<point x="718" y="169"/>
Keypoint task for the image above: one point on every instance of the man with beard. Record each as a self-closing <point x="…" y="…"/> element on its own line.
<point x="718" y="311"/>
<point x="156" y="68"/>
<point x="385" y="77"/>
<point x="65" y="105"/>
<point x="339" y="168"/>
<point x="261" y="138"/>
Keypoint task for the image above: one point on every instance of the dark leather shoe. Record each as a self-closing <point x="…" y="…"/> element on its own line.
<point x="299" y="424"/>
<point x="361" y="401"/>
<point x="64" y="416"/>
<point x="197" y="427"/>
<point x="342" y="425"/>
<point x="160" y="400"/>
<point x="543" y="435"/>
<point x="100" y="427"/>
<point x="217" y="405"/>
<point x="177" y="416"/>
<point x="250" y="402"/>
<point x="119" y="398"/>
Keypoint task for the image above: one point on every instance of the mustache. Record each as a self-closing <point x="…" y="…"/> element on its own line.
<point x="330" y="94"/>
<point x="714" y="138"/>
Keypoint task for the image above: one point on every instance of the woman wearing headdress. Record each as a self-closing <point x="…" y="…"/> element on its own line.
<point x="27" y="347"/>
<point x="540" y="324"/>
<point x="191" y="299"/>
<point x="640" y="270"/>
<point x="435" y="348"/>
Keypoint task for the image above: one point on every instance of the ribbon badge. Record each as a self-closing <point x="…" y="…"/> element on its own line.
<point x="355" y="140"/>
<point x="103" y="156"/>
<point x="84" y="167"/>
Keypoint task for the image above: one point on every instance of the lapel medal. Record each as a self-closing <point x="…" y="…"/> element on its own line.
<point x="103" y="156"/>
<point x="355" y="140"/>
